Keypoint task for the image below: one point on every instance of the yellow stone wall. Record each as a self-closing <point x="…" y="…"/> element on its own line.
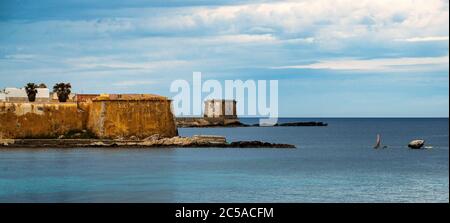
<point x="106" y="119"/>
<point x="39" y="120"/>
<point x="125" y="118"/>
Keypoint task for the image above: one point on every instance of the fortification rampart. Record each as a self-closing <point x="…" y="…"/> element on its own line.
<point x="39" y="120"/>
<point x="140" y="118"/>
<point x="108" y="117"/>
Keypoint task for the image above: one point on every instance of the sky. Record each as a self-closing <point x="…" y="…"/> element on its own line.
<point x="332" y="58"/>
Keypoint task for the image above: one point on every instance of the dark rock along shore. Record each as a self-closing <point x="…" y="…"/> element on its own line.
<point x="179" y="142"/>
<point x="224" y="122"/>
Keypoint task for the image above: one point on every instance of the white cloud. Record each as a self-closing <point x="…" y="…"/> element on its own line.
<point x="117" y="63"/>
<point x="133" y="83"/>
<point x="244" y="38"/>
<point x="300" y="40"/>
<point x="327" y="22"/>
<point x="372" y="64"/>
<point x="426" y="39"/>
<point x="325" y="19"/>
<point x="20" y="56"/>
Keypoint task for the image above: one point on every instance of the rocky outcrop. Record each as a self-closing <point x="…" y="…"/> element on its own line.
<point x="6" y="142"/>
<point x="209" y="139"/>
<point x="299" y="124"/>
<point x="416" y="144"/>
<point x="258" y="144"/>
<point x="208" y="122"/>
<point x="151" y="142"/>
<point x="227" y="122"/>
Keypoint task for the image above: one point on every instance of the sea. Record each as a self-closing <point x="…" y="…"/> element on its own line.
<point x="336" y="163"/>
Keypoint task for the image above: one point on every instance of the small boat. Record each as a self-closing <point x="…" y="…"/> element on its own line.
<point x="416" y="144"/>
<point x="378" y="143"/>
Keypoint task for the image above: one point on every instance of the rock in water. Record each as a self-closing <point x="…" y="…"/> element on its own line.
<point x="6" y="142"/>
<point x="134" y="138"/>
<point x="416" y="144"/>
<point x="258" y="144"/>
<point x="210" y="139"/>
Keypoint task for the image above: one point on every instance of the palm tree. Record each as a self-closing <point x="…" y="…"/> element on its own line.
<point x="31" y="90"/>
<point x="42" y="85"/>
<point x="63" y="91"/>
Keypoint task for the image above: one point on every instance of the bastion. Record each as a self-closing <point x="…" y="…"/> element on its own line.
<point x="139" y="115"/>
<point x="107" y="117"/>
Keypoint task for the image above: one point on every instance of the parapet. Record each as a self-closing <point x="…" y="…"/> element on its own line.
<point x="130" y="97"/>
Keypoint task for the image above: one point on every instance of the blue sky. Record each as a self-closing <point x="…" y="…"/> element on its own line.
<point x="369" y="58"/>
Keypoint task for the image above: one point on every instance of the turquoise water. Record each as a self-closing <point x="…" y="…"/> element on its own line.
<point x="331" y="164"/>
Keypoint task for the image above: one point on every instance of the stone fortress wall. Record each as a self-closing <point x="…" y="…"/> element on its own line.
<point x="131" y="115"/>
<point x="107" y="116"/>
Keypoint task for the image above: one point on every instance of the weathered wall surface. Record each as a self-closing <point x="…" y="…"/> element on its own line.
<point x="129" y="115"/>
<point x="39" y="120"/>
<point x="220" y="108"/>
<point x="125" y="118"/>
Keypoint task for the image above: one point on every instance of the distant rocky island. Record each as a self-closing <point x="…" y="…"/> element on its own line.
<point x="208" y="122"/>
<point x="223" y="113"/>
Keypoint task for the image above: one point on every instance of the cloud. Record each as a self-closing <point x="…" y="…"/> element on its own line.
<point x="20" y="57"/>
<point x="119" y="63"/>
<point x="300" y="40"/>
<point x="331" y="25"/>
<point x="425" y="39"/>
<point x="126" y="46"/>
<point x="134" y="83"/>
<point x="323" y="20"/>
<point x="372" y="64"/>
<point x="244" y="38"/>
<point x="337" y="19"/>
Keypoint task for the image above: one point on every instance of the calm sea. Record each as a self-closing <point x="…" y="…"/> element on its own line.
<point x="331" y="164"/>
